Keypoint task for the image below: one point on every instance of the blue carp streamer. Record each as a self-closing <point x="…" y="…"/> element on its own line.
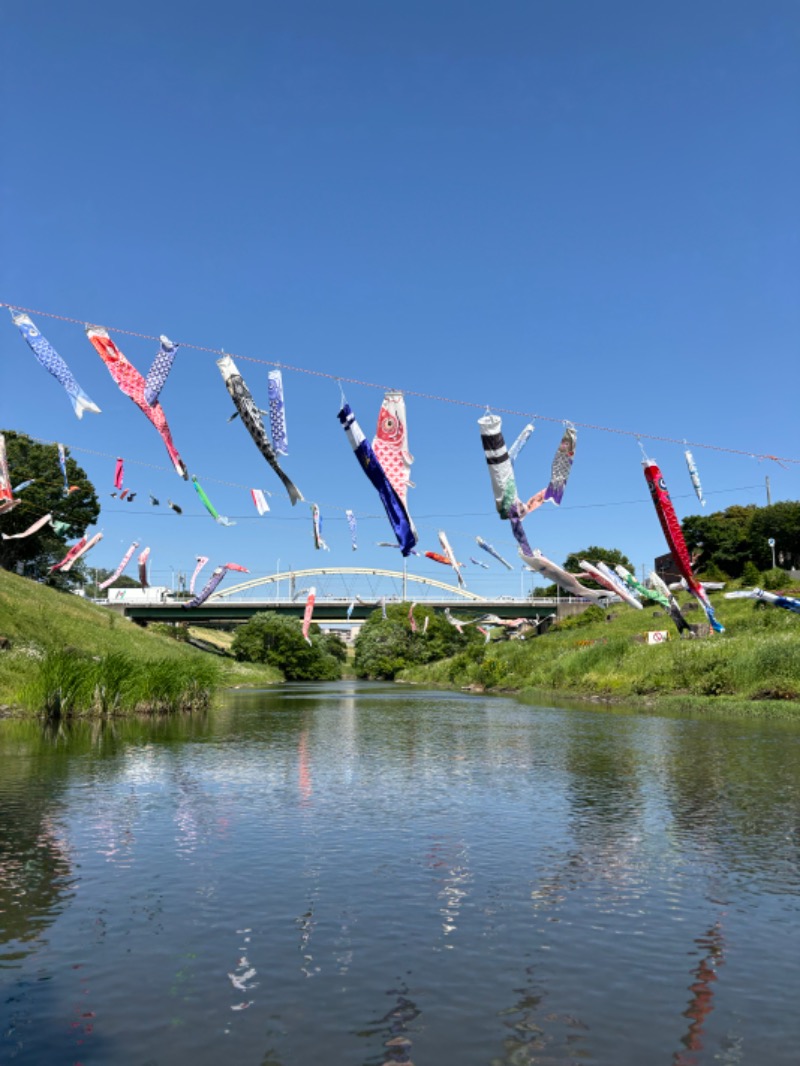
<point x="396" y="512"/>
<point x="54" y="364"/>
<point x="351" y="521"/>
<point x="277" y="412"/>
<point x="159" y="371"/>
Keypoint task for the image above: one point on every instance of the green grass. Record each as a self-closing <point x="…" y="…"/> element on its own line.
<point x="754" y="664"/>
<point x="70" y="652"/>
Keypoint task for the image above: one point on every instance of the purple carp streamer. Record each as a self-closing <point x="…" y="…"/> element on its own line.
<point x="126" y="558"/>
<point x="213" y="582"/>
<point x="450" y="555"/>
<point x="562" y="464"/>
<point x="37" y="525"/>
<point x="396" y="512"/>
<point x="252" y="421"/>
<point x="787" y="602"/>
<point x="201" y="561"/>
<point x="351" y="522"/>
<point x="209" y="506"/>
<point x="277" y="412"/>
<point x="62" y="462"/>
<point x="54" y="364"/>
<point x="316" y="520"/>
<point x="494" y="554"/>
<point x="520" y="442"/>
<point x="695" y="477"/>
<point x="558" y="576"/>
<point x="142" y="561"/>
<point x="159" y="371"/>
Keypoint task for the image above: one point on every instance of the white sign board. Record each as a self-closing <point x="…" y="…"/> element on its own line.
<point x="658" y="636"/>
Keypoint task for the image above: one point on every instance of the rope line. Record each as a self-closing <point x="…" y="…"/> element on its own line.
<point x="420" y="395"/>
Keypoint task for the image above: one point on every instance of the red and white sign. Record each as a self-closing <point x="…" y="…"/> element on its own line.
<point x="657" y="636"/>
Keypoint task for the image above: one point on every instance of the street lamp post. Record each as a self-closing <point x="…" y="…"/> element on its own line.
<point x="771" y="542"/>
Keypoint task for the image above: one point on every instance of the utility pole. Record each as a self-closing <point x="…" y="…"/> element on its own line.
<point x="769" y="494"/>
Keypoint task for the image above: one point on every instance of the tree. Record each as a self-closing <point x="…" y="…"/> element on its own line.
<point x="35" y="554"/>
<point x="278" y="641"/>
<point x="731" y="537"/>
<point x="385" y="646"/>
<point x="596" y="555"/>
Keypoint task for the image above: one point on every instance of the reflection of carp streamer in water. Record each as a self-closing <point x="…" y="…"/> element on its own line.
<point x="702" y="1001"/>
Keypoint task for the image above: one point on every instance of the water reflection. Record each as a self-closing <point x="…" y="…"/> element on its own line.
<point x="702" y="1001"/>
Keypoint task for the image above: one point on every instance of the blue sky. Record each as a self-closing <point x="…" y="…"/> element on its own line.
<point x="578" y="210"/>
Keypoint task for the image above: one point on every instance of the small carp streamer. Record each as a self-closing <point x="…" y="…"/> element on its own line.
<point x="673" y="535"/>
<point x="477" y="562"/>
<point x="201" y="561"/>
<point x="662" y="596"/>
<point x="62" y="462"/>
<point x="7" y="501"/>
<point x="54" y="364"/>
<point x="126" y="558"/>
<point x="350" y="610"/>
<point x="37" y="525"/>
<point x="411" y="619"/>
<point x="486" y="634"/>
<point x="119" y="473"/>
<point x="390" y="443"/>
<point x="132" y="384"/>
<point x="213" y="582"/>
<point x="277" y="412"/>
<point x="459" y="623"/>
<point x="609" y="581"/>
<point x="159" y="371"/>
<point x="558" y="576"/>
<point x="83" y="546"/>
<point x="174" y="507"/>
<point x="562" y="464"/>
<point x="154" y="502"/>
<point x="520" y="442"/>
<point x="23" y="485"/>
<point x="695" y="477"/>
<point x="260" y="500"/>
<point x="494" y="554"/>
<point x="396" y="512"/>
<point x="353" y="526"/>
<point x="787" y="602"/>
<point x="209" y="506"/>
<point x="425" y="625"/>
<point x="438" y="558"/>
<point x="448" y="551"/>
<point x="124" y="494"/>
<point x="382" y="605"/>
<point x="316" y="521"/>
<point x="307" y="614"/>
<point x="252" y="421"/>
<point x="142" y="563"/>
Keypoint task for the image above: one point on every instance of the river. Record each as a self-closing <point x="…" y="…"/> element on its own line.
<point x="361" y="873"/>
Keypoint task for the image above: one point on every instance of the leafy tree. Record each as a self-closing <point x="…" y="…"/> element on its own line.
<point x="595" y="554"/>
<point x="751" y="575"/>
<point x="780" y="522"/>
<point x="385" y="646"/>
<point x="37" y="553"/>
<point x="277" y="640"/>
<point x="732" y="537"/>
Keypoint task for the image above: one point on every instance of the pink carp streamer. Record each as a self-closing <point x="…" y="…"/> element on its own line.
<point x="307" y="614"/>
<point x="201" y="561"/>
<point x="119" y="473"/>
<point x="133" y="385"/>
<point x="126" y="558"/>
<point x="259" y="500"/>
<point x="37" y="525"/>
<point x="7" y="501"/>
<point x="142" y="562"/>
<point x="411" y="619"/>
<point x="83" y="546"/>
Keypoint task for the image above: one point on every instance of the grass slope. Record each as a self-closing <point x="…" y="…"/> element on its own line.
<point x="36" y="618"/>
<point x="754" y="667"/>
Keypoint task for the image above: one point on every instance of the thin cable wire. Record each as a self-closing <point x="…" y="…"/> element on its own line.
<point x="420" y="395"/>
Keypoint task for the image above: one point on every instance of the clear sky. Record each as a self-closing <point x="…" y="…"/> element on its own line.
<point x="580" y="210"/>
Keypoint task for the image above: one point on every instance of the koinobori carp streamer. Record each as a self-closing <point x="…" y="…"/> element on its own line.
<point x="133" y="385"/>
<point x="53" y="363"/>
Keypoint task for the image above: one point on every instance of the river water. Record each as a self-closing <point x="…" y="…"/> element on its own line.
<point x="360" y="874"/>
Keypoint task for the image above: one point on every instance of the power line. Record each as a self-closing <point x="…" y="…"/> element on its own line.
<point x="532" y="416"/>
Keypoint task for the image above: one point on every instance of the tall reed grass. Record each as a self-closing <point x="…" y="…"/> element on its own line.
<point x="66" y="683"/>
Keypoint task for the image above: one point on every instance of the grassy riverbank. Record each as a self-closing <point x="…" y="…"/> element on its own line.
<point x="69" y="653"/>
<point x="753" y="668"/>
